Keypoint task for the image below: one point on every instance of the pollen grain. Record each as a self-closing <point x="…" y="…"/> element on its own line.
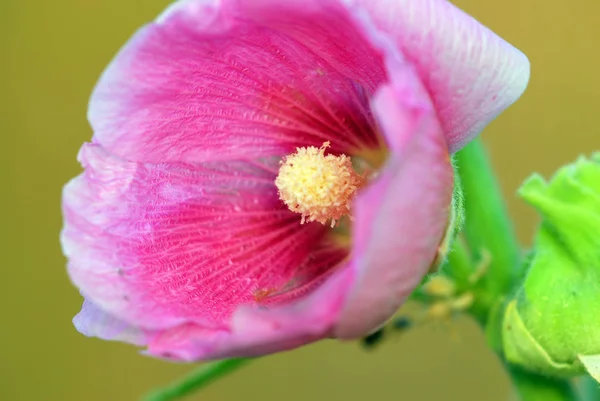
<point x="319" y="187"/>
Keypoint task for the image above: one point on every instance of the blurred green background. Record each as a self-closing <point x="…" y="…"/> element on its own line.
<point x="52" y="54"/>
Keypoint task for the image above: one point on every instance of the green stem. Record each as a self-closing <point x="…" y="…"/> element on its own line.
<point x="533" y="387"/>
<point x="459" y="265"/>
<point x="196" y="380"/>
<point x="488" y="227"/>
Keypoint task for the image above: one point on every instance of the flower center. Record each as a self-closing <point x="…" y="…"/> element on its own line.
<point x="320" y="187"/>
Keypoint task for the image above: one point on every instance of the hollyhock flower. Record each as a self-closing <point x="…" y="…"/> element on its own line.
<point x="268" y="173"/>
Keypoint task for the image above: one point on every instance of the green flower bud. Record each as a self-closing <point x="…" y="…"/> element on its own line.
<point x="552" y="325"/>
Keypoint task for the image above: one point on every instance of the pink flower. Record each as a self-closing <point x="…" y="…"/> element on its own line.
<point x="175" y="232"/>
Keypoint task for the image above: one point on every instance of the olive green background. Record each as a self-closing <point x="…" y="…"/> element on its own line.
<point x="52" y="53"/>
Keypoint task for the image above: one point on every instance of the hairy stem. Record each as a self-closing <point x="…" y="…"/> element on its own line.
<point x="488" y="228"/>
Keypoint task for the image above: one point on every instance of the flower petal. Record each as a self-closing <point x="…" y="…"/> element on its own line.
<point x="159" y="245"/>
<point x="400" y="219"/>
<point x="258" y="331"/>
<point x="94" y="322"/>
<point x="471" y="74"/>
<point x="238" y="79"/>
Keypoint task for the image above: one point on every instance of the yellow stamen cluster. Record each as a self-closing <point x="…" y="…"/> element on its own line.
<point x="320" y="187"/>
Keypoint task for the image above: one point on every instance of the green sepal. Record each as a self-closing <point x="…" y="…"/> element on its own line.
<point x="521" y="348"/>
<point x="553" y="318"/>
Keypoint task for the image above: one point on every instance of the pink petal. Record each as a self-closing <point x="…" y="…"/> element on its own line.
<point x="401" y="218"/>
<point x="158" y="245"/>
<point x="256" y="331"/>
<point x="471" y="74"/>
<point x="223" y="80"/>
<point x="400" y="221"/>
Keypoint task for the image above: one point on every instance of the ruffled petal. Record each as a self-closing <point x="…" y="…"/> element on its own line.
<point x="400" y="219"/>
<point x="159" y="245"/>
<point x="471" y="73"/>
<point x="225" y="80"/>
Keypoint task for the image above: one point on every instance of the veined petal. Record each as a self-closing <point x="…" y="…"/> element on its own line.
<point x="159" y="245"/>
<point x="472" y="74"/>
<point x="225" y="80"/>
<point x="400" y="221"/>
<point x="258" y="331"/>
